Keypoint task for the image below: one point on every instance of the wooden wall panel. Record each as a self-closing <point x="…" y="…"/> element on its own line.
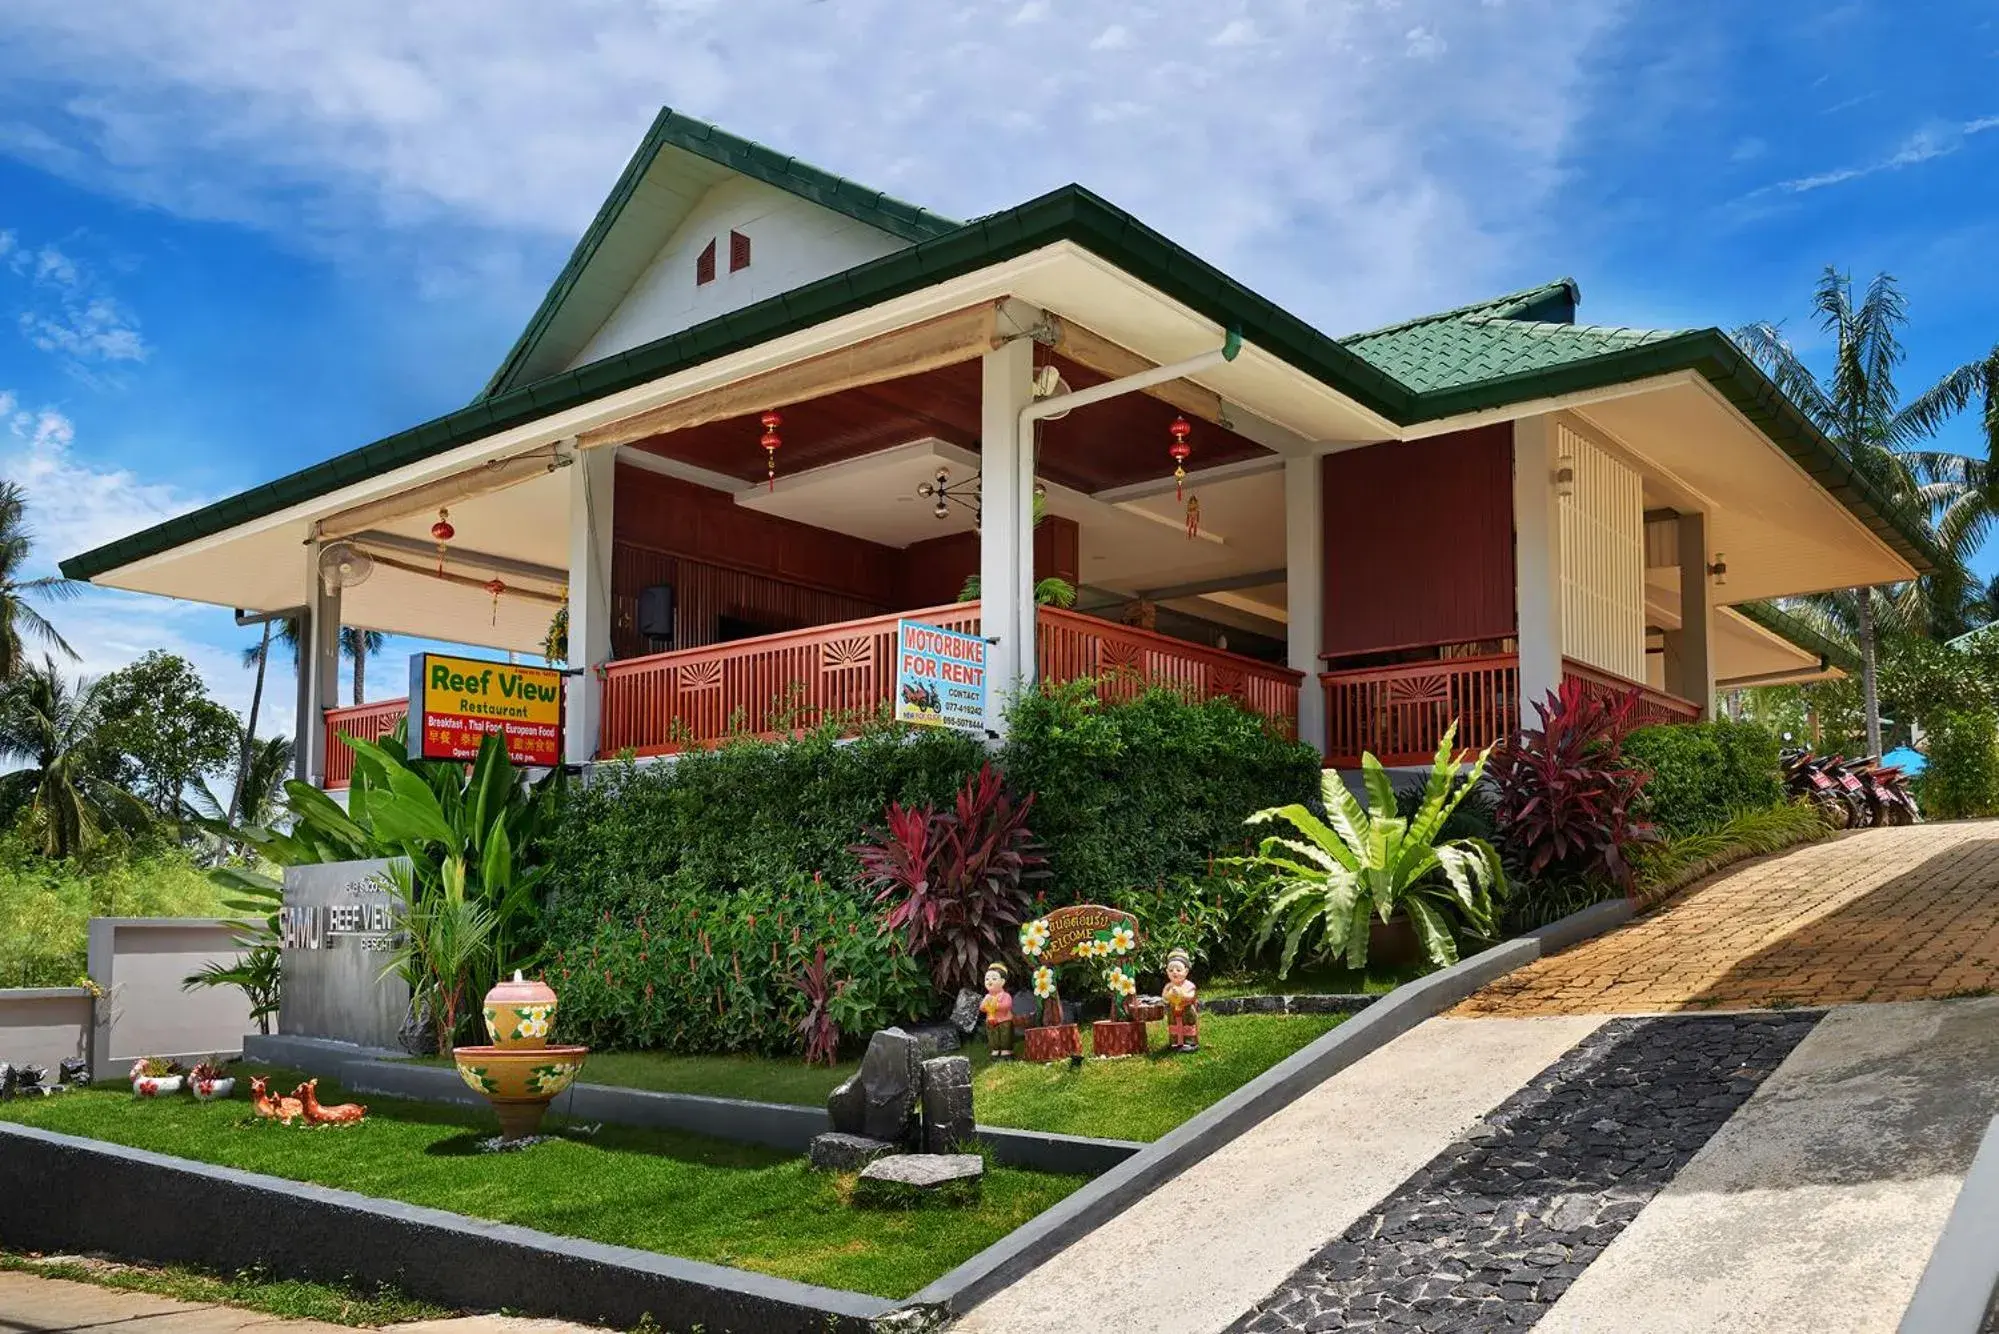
<point x="1419" y="542"/>
<point x="935" y="570"/>
<point x="704" y="594"/>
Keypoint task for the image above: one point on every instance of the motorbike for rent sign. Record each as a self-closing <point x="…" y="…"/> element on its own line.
<point x="460" y="700"/>
<point x="940" y="677"/>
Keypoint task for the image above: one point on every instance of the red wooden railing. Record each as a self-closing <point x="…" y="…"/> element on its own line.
<point x="370" y="722"/>
<point x="1398" y="714"/>
<point x="1654" y="706"/>
<point x="777" y="684"/>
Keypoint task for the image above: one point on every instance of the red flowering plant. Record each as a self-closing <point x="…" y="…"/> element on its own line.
<point x="956" y="882"/>
<point x="1566" y="797"/>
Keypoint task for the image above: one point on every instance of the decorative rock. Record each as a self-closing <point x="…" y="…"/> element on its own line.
<point x="965" y="1013"/>
<point x="947" y="1104"/>
<point x="835" y="1152"/>
<point x="880" y="1097"/>
<point x="906" y="1179"/>
<point x="935" y="1039"/>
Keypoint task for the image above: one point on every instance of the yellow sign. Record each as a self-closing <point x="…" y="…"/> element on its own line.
<point x="460" y="700"/>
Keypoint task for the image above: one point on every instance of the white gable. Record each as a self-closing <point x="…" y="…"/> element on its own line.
<point x="792" y="242"/>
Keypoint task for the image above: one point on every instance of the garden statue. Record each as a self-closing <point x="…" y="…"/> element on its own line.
<point x="1090" y="934"/>
<point x="1183" y="1004"/>
<point x="344" y="1113"/>
<point x="998" y="1009"/>
<point x="521" y="1073"/>
<point x="269" y="1108"/>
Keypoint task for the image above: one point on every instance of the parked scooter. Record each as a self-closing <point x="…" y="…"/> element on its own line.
<point x="1851" y="794"/>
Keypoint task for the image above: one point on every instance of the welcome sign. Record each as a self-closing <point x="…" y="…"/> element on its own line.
<point x="940" y="677"/>
<point x="459" y="700"/>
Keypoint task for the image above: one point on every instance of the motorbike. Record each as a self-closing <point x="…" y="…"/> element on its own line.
<point x="1851" y="794"/>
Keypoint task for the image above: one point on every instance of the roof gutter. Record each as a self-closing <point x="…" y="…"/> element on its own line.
<point x="1130" y="384"/>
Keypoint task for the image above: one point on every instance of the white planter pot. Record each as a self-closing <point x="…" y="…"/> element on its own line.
<point x="157" y="1087"/>
<point x="213" y="1090"/>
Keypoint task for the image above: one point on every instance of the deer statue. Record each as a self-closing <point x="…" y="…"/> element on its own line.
<point x="340" y="1114"/>
<point x="286" y="1110"/>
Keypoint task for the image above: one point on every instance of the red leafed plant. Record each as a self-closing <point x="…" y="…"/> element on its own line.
<point x="956" y="881"/>
<point x="821" y="1033"/>
<point x="1566" y="795"/>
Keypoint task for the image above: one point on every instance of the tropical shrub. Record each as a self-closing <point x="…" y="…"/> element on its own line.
<point x="258" y="969"/>
<point x="1962" y="779"/>
<point x="1333" y="876"/>
<point x="1137" y="793"/>
<point x="1566" y="805"/>
<point x="1217" y="918"/>
<point x="1704" y="774"/>
<point x="1672" y="864"/>
<point x="955" y="881"/>
<point x="46" y="904"/>
<point x="686" y="970"/>
<point x="745" y="813"/>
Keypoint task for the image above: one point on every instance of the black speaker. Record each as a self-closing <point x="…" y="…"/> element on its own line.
<point x="656" y="616"/>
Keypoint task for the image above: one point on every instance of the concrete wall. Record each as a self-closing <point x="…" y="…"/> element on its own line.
<point x="44" y="1025"/>
<point x="140" y="962"/>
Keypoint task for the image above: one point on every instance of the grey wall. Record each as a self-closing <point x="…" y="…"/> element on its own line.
<point x="141" y="962"/>
<point x="338" y="937"/>
<point x="44" y="1025"/>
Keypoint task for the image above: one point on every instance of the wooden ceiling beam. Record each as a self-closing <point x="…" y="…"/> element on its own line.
<point x="1100" y="354"/>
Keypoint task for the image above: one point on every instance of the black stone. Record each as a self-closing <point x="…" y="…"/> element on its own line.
<point x="948" y="1125"/>
<point x="1488" y="1234"/>
<point x="966" y="1016"/>
<point x="880" y="1098"/>
<point x="934" y="1039"/>
<point x="835" y="1152"/>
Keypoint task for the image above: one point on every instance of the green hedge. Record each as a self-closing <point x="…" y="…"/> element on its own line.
<point x="683" y="969"/>
<point x="1962" y="780"/>
<point x="1133" y="794"/>
<point x="1705" y="774"/>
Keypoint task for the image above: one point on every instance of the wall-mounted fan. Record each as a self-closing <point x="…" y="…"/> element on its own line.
<point x="344" y="565"/>
<point x="1048" y="382"/>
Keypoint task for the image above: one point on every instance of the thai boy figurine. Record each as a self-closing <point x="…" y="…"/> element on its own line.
<point x="1183" y="1004"/>
<point x="998" y="1009"/>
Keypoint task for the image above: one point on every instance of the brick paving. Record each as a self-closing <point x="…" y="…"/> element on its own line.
<point x="1875" y="915"/>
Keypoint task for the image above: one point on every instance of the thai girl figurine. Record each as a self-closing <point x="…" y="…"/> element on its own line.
<point x="1183" y="1004"/>
<point x="998" y="1009"/>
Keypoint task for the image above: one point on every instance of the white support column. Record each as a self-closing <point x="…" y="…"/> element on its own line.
<point x="319" y="664"/>
<point x="303" y="729"/>
<point x="1537" y="561"/>
<point x="1694" y="677"/>
<point x="592" y="478"/>
<point x="1304" y="591"/>
<point x="1006" y="529"/>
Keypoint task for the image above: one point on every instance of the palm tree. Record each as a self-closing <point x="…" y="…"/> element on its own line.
<point x="1961" y="490"/>
<point x="16" y="615"/>
<point x="356" y="645"/>
<point x="55" y="729"/>
<point x="1858" y="408"/>
<point x="260" y="787"/>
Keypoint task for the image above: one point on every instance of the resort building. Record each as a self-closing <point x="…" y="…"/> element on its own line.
<point x="765" y="412"/>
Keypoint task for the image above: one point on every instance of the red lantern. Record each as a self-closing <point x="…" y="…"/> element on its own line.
<point x="443" y="532"/>
<point x="495" y="588"/>
<point x="1180" y="451"/>
<point x="770" y="443"/>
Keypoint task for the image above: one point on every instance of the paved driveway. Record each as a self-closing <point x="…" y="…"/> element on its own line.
<point x="1875" y="915"/>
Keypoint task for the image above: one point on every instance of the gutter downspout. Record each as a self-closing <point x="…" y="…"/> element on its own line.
<point x="1022" y="583"/>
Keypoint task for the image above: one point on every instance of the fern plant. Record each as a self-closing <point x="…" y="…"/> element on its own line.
<point x="1333" y="877"/>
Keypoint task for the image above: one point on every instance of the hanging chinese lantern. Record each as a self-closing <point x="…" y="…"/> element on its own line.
<point x="443" y="532"/>
<point x="770" y="442"/>
<point x="494" y="587"/>
<point x="1181" y="452"/>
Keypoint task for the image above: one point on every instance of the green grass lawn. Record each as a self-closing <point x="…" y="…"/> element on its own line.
<point x="678" y="1194"/>
<point x="1318" y="979"/>
<point x="252" y="1290"/>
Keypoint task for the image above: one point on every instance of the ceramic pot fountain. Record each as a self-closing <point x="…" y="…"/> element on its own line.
<point x="520" y="1073"/>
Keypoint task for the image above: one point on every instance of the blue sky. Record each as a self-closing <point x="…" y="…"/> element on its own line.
<point x="237" y="238"/>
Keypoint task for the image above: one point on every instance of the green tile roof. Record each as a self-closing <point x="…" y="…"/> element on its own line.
<point x="1500" y="352"/>
<point x="1790" y="626"/>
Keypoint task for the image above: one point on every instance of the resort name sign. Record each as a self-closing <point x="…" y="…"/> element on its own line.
<point x="460" y="700"/>
<point x="940" y="677"/>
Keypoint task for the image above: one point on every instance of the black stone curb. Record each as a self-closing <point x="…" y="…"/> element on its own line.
<point x="774" y="1125"/>
<point x="1325" y="1004"/>
<point x="64" y="1194"/>
<point x="1385" y="1019"/>
<point x="1957" y="1292"/>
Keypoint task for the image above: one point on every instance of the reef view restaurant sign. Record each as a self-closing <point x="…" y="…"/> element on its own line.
<point x="940" y="677"/>
<point x="462" y="699"/>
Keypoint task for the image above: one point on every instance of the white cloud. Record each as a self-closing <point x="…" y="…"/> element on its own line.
<point x="71" y="313"/>
<point x="451" y="138"/>
<point x="74" y="504"/>
<point x="1932" y="141"/>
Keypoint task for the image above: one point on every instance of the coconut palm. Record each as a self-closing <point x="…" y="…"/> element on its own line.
<point x="1858" y="408"/>
<point x="260" y="787"/>
<point x="55" y="729"/>
<point x="356" y="645"/>
<point x="1962" y="490"/>
<point x="16" y="616"/>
